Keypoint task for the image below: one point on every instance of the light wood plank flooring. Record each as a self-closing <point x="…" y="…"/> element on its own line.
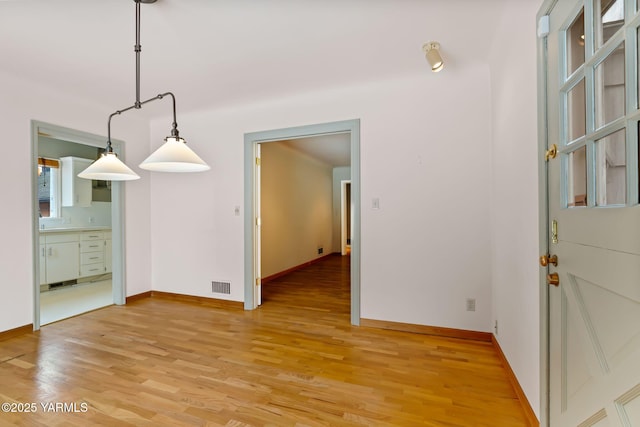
<point x="294" y="362"/>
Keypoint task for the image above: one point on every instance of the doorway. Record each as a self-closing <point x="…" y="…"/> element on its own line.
<point x="591" y="250"/>
<point x="78" y="227"/>
<point x="252" y="203"/>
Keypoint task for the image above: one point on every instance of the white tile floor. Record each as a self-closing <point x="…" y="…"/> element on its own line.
<point x="70" y="301"/>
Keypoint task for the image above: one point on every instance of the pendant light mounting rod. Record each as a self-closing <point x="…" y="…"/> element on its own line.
<point x="137" y="49"/>
<point x="174" y="125"/>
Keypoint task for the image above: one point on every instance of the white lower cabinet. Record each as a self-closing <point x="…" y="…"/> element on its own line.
<point x="62" y="257"/>
<point x="73" y="255"/>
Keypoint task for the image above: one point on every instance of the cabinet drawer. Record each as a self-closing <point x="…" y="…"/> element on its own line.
<point x="61" y="237"/>
<point x="91" y="269"/>
<point x="91" y="257"/>
<point x="92" y="246"/>
<point x="92" y="235"/>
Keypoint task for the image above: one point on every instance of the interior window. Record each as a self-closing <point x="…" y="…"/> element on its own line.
<point x="48" y="188"/>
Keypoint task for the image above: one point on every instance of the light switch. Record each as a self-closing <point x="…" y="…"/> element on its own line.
<point x="375" y="203"/>
<point x="236" y="211"/>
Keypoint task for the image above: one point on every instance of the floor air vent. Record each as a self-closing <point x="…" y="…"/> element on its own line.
<point x="221" y="287"/>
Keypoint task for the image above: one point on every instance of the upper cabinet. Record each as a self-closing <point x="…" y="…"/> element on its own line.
<point x="75" y="191"/>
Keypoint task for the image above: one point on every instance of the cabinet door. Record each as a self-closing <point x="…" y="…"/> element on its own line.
<point x="63" y="262"/>
<point x="43" y="264"/>
<point x="75" y="191"/>
<point x="107" y="256"/>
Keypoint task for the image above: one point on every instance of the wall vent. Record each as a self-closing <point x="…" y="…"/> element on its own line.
<point x="221" y="287"/>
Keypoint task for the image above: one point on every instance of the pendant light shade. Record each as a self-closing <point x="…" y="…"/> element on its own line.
<point x="174" y="156"/>
<point x="108" y="168"/>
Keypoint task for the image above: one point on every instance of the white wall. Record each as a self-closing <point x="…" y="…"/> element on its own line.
<point x="425" y="153"/>
<point x="20" y="102"/>
<point x="514" y="248"/>
<point x="339" y="174"/>
<point x="296" y="207"/>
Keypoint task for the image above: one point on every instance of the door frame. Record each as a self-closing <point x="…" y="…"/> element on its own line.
<point x="251" y="140"/>
<point x="543" y="212"/>
<point x="117" y="209"/>
<point x="344" y="219"/>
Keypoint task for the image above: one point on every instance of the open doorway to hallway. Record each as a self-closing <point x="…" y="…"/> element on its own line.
<point x="297" y="139"/>
<point x="302" y="193"/>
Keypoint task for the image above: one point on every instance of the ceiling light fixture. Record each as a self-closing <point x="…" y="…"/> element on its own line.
<point x="172" y="156"/>
<point x="432" y="53"/>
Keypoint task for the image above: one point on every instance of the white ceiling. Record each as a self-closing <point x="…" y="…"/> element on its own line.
<point x="220" y="53"/>
<point x="217" y="53"/>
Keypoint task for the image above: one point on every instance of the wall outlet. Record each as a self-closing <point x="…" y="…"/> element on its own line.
<point x="320" y="251"/>
<point x="495" y="327"/>
<point x="471" y="304"/>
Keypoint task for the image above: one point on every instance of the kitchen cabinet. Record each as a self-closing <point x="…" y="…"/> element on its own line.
<point x="70" y="255"/>
<point x="108" y="251"/>
<point x="43" y="261"/>
<point x="61" y="258"/>
<point x="91" y="253"/>
<point x="75" y="191"/>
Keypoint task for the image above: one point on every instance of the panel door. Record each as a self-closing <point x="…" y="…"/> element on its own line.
<point x="594" y="218"/>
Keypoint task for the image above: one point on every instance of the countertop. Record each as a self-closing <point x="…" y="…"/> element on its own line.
<point x="72" y="229"/>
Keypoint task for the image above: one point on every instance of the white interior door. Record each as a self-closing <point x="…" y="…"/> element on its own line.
<point x="594" y="310"/>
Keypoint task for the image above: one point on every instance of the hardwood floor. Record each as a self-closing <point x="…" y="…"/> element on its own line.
<point x="296" y="361"/>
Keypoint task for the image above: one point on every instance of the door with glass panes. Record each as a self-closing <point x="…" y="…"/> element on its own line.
<point x="593" y="261"/>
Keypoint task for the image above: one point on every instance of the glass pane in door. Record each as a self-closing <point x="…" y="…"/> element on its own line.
<point x="577" y="183"/>
<point x="575" y="44"/>
<point x="610" y="87"/>
<point x="612" y="169"/>
<point x="611" y="19"/>
<point x="576" y="112"/>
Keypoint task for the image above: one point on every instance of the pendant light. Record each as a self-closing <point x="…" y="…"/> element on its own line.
<point x="173" y="156"/>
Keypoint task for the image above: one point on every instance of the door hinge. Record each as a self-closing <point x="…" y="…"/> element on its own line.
<point x="543" y="26"/>
<point x="551" y="153"/>
<point x="257" y="161"/>
<point x="258" y="222"/>
<point x="258" y="281"/>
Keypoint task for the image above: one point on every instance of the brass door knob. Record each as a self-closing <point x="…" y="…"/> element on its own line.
<point x="553" y="279"/>
<point x="548" y="259"/>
